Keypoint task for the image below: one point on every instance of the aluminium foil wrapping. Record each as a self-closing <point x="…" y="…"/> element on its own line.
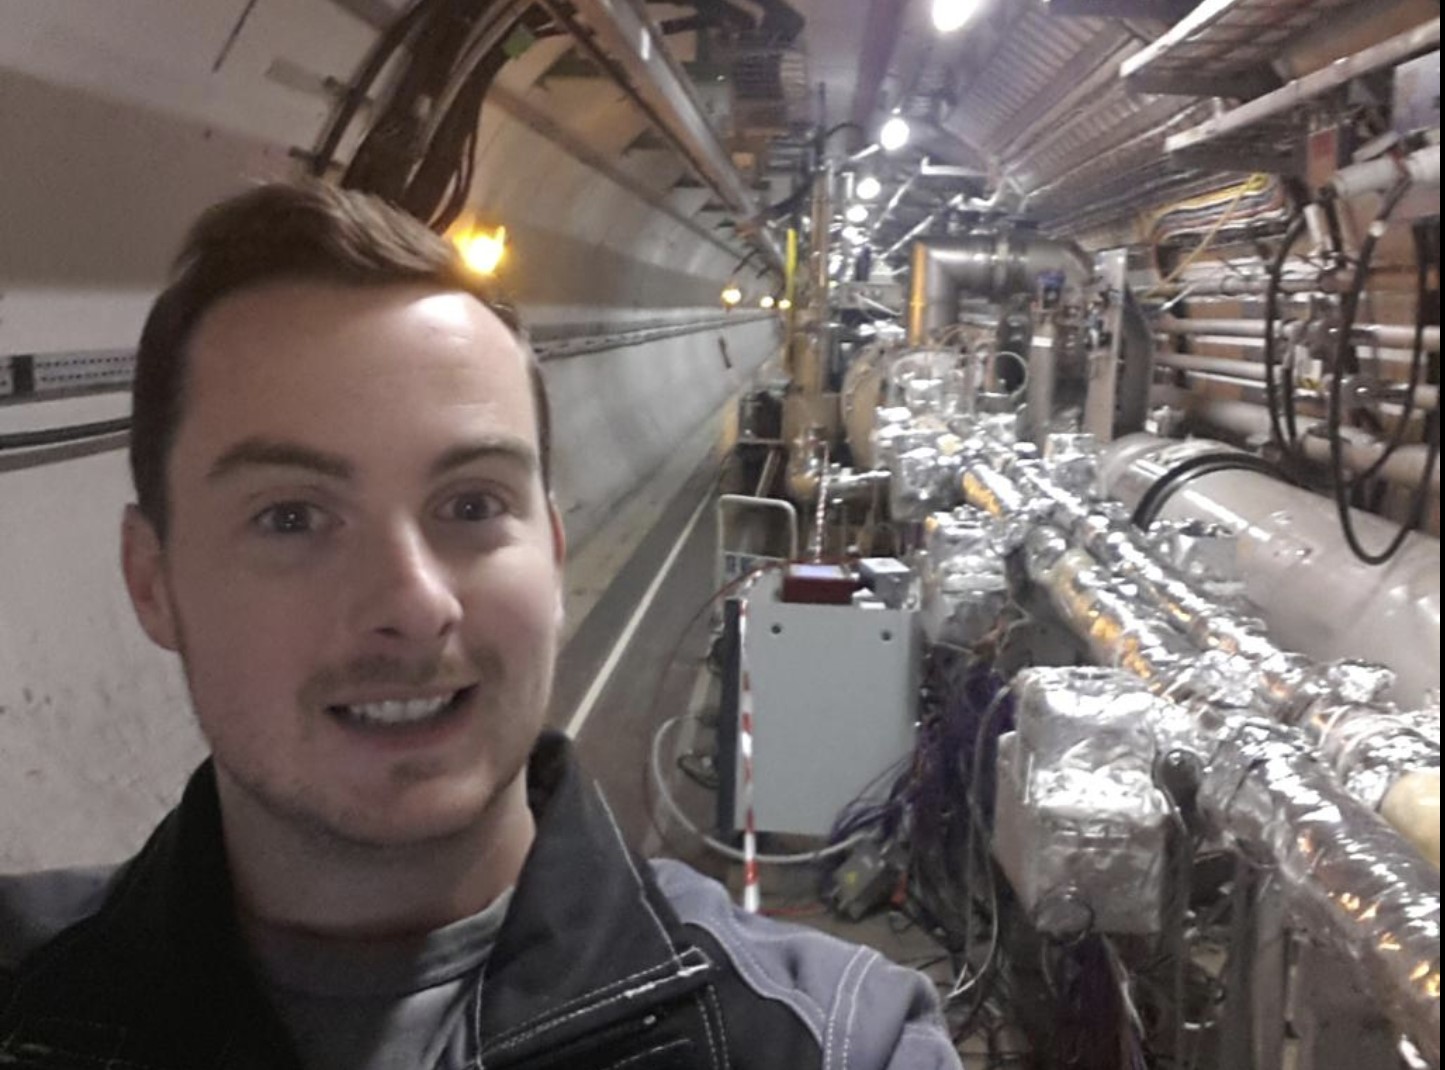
<point x="1078" y="821"/>
<point x="1357" y="883"/>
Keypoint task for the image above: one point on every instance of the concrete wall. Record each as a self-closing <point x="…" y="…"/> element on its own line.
<point x="117" y="124"/>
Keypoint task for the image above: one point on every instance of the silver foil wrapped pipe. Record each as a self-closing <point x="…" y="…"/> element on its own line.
<point x="1353" y="877"/>
<point x="1370" y="745"/>
<point x="1355" y="884"/>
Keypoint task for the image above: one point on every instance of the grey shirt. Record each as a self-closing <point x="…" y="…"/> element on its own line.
<point x="380" y="1005"/>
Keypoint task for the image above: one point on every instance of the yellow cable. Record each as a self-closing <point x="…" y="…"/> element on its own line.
<point x="1205" y="242"/>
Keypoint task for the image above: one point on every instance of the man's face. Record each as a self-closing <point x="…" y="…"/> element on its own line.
<point x="362" y="569"/>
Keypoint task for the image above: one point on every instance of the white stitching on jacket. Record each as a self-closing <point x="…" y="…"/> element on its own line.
<point x="857" y="990"/>
<point x="707" y="1028"/>
<point x="746" y="963"/>
<point x="837" y="1006"/>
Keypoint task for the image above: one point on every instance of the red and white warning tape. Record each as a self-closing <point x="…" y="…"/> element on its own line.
<point x="752" y="893"/>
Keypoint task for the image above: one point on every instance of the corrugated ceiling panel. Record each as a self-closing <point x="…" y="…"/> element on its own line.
<point x="1036" y="48"/>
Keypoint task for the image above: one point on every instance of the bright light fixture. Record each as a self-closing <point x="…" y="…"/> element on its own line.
<point x="894" y="133"/>
<point x="482" y="251"/>
<point x="856" y="213"/>
<point x="950" y="15"/>
<point x="731" y="296"/>
<point x="785" y="304"/>
<point x="766" y="301"/>
<point x="868" y="187"/>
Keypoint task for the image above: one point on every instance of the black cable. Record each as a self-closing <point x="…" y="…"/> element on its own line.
<point x="1272" y="390"/>
<point x="1335" y="414"/>
<point x="391" y="40"/>
<point x="1202" y="464"/>
<point x="1417" y="359"/>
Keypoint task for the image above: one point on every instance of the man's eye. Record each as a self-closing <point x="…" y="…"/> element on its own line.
<point x="291" y="518"/>
<point x="472" y="508"/>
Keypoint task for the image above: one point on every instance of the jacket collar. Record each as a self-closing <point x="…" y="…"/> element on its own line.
<point x="162" y="971"/>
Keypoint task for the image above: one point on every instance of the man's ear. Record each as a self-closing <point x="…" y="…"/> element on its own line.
<point x="559" y="555"/>
<point x="142" y="560"/>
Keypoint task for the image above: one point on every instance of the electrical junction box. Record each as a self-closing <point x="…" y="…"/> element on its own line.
<point x="887" y="577"/>
<point x="835" y="699"/>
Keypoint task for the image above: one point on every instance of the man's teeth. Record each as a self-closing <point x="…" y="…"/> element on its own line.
<point x="399" y="711"/>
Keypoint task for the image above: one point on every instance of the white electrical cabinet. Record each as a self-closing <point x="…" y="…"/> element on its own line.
<point x="835" y="697"/>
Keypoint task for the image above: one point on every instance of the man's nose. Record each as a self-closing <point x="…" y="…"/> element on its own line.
<point x="406" y="591"/>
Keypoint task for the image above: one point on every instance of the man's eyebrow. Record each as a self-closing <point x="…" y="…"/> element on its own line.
<point x="274" y="453"/>
<point x="513" y="450"/>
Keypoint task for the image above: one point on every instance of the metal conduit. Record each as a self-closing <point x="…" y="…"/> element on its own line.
<point x="1244" y="421"/>
<point x="1426" y="397"/>
<point x="1382" y="334"/>
<point x="991" y="265"/>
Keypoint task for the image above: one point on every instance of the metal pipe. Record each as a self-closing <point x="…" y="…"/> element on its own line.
<point x="1315" y="596"/>
<point x="1426" y="396"/>
<point x="1391" y="335"/>
<point x="989" y="265"/>
<point x="1246" y="422"/>
<point x="1422" y="167"/>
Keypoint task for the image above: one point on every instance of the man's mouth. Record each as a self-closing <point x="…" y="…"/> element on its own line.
<point x="394" y="712"/>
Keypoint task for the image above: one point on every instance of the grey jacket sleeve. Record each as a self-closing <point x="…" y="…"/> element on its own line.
<point x="865" y="1012"/>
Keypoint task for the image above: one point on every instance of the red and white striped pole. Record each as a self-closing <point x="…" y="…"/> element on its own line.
<point x="752" y="894"/>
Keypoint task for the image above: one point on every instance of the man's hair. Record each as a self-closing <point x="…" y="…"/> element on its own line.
<point x="303" y="231"/>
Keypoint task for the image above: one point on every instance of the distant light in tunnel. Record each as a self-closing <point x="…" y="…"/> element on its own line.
<point x="894" y="133"/>
<point x="766" y="301"/>
<point x="856" y="213"/>
<point x="731" y="296"/>
<point x="482" y="251"/>
<point x="784" y="305"/>
<point x="950" y="15"/>
<point x="868" y="187"/>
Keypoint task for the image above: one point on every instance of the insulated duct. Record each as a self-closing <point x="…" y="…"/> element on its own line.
<point x="988" y="265"/>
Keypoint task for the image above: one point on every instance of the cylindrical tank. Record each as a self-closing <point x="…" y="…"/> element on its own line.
<point x="1312" y="592"/>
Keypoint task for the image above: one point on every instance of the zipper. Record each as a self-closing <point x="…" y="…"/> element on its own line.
<point x="611" y="1019"/>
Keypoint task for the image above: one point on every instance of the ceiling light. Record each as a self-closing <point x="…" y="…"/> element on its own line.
<point x="950" y="15"/>
<point x="785" y="304"/>
<point x="868" y="187"/>
<point x="856" y="213"/>
<point x="731" y="295"/>
<point x="766" y="301"/>
<point x="894" y="133"/>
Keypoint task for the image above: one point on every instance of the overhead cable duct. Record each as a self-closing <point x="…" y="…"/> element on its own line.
<point x="992" y="265"/>
<point x="623" y="40"/>
<point x="418" y="151"/>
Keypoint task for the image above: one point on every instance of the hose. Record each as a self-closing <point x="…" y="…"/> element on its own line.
<point x="1335" y="414"/>
<point x="1280" y="395"/>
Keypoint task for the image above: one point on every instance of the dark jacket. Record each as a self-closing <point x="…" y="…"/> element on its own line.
<point x="603" y="961"/>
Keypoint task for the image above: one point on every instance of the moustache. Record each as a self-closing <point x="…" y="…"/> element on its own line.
<point x="444" y="672"/>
